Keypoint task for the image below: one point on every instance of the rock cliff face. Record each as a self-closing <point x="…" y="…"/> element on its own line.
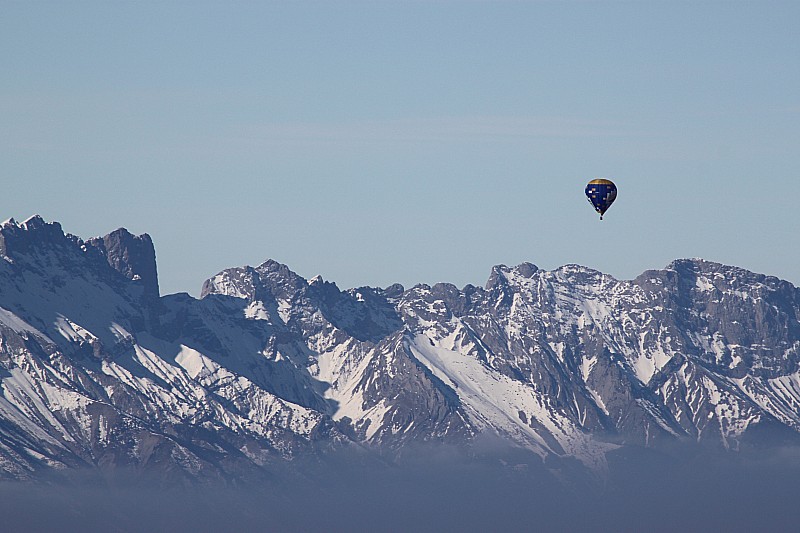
<point x="97" y="370"/>
<point x="130" y="255"/>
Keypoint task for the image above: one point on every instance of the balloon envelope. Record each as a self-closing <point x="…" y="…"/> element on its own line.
<point x="601" y="194"/>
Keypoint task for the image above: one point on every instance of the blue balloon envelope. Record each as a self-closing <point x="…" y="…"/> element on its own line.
<point x="601" y="194"/>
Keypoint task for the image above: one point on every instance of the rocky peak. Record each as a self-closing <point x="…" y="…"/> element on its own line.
<point x="502" y="275"/>
<point x="526" y="270"/>
<point x="133" y="256"/>
<point x="395" y="290"/>
<point x="242" y="282"/>
<point x="21" y="237"/>
<point x="281" y="281"/>
<point x="498" y="277"/>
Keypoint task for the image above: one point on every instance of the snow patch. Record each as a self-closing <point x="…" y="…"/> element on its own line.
<point x="494" y="401"/>
<point x="20" y="326"/>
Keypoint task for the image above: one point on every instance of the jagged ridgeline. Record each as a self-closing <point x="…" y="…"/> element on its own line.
<point x="98" y="370"/>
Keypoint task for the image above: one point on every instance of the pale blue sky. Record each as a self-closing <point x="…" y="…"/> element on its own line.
<point x="379" y="142"/>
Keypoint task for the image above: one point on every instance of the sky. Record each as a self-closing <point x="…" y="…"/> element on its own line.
<point x="413" y="142"/>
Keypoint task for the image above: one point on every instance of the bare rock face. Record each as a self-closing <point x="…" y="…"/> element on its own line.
<point x="97" y="370"/>
<point x="133" y="256"/>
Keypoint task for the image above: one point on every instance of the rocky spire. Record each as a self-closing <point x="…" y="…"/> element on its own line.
<point x="134" y="256"/>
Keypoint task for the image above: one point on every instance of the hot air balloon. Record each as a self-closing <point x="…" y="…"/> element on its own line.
<point x="601" y="194"/>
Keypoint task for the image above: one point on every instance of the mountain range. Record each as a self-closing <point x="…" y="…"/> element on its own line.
<point x="572" y="366"/>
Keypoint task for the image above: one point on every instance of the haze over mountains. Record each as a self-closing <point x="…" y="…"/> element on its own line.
<point x="570" y="367"/>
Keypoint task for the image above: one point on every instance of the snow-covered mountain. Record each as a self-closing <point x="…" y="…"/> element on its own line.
<point x="98" y="370"/>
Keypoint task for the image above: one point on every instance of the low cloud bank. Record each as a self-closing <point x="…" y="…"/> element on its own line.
<point x="434" y="490"/>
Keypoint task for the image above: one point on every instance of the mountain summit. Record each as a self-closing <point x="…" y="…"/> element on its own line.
<point x="571" y="365"/>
